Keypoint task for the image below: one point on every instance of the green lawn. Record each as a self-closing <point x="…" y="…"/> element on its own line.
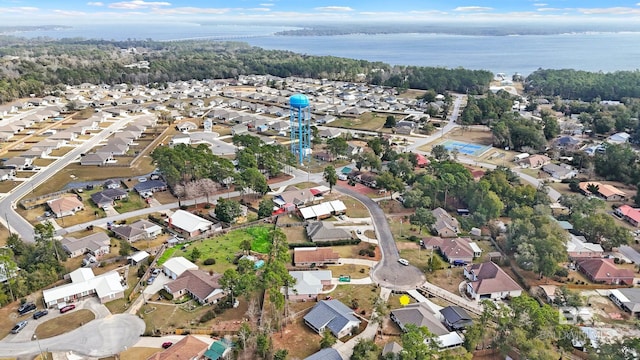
<point x="223" y="248"/>
<point x="131" y="203"/>
<point x="166" y="255"/>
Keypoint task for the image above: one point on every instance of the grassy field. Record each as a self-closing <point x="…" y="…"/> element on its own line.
<point x="355" y="271"/>
<point x="295" y="234"/>
<point x="261" y="242"/>
<point x="355" y="208"/>
<point x="364" y="295"/>
<point x="131" y="203"/>
<point x="368" y="121"/>
<point x="8" y="185"/>
<point x="221" y="248"/>
<point x="137" y="353"/>
<point x="64" y="323"/>
<point x="166" y="255"/>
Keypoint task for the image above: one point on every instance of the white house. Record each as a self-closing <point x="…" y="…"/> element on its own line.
<point x="188" y="223"/>
<point x="84" y="283"/>
<point x="176" y="266"/>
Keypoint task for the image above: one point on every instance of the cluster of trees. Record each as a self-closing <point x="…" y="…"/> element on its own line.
<point x="483" y="110"/>
<point x="595" y="226"/>
<point x="537" y="241"/>
<point x="618" y="162"/>
<point x="602" y="118"/>
<point x="253" y="153"/>
<point x="534" y="330"/>
<point x="577" y="84"/>
<point x="516" y="132"/>
<point x="182" y="164"/>
<point x="44" y="66"/>
<point x="39" y="264"/>
<point x="450" y="185"/>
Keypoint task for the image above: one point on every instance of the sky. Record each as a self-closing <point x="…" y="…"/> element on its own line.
<point x="68" y="12"/>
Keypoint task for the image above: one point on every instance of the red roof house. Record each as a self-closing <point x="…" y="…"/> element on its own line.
<point x="631" y="215"/>
<point x="422" y="160"/>
<point x="605" y="271"/>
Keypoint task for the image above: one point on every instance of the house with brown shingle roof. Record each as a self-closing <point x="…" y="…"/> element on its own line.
<point x="454" y="249"/>
<point x="198" y="284"/>
<point x="534" y="161"/>
<point x="488" y="281"/>
<point x="445" y="225"/>
<point x="314" y="256"/>
<point x="605" y="271"/>
<point x="190" y="347"/>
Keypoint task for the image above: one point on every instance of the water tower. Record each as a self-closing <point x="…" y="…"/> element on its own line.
<point x="300" y="117"/>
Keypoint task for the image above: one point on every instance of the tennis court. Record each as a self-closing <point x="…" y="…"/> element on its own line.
<point x="465" y="147"/>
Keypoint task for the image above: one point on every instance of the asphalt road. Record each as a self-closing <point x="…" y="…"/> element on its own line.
<point x="389" y="272"/>
<point x="98" y="338"/>
<point x="419" y="142"/>
<point x="16" y="223"/>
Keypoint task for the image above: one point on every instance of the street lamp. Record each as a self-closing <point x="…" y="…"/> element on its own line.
<point x="42" y="355"/>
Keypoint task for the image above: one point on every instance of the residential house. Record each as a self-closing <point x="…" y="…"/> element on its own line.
<point x="579" y="248"/>
<point x="189" y="347"/>
<point x="6" y="174"/>
<point x="198" y="284"/>
<point x="534" y="161"/>
<point x="422" y="160"/>
<point x="108" y="197"/>
<point x="322" y="232"/>
<point x="113" y="149"/>
<point x="329" y="133"/>
<point x="176" y="266"/>
<point x="559" y="172"/>
<point x="18" y="162"/>
<point x="138" y="257"/>
<point x="456" y="318"/>
<point x="65" y="206"/>
<point x="326" y="119"/>
<point x="314" y="257"/>
<point x="420" y="314"/>
<point x="605" y="271"/>
<point x="150" y="187"/>
<point x="139" y="230"/>
<point x="107" y="287"/>
<point x="96" y="244"/>
<point x="325" y="354"/>
<point x="186" y="126"/>
<point x="619" y="138"/>
<point x="219" y="349"/>
<point x="454" y="250"/>
<point x="180" y="139"/>
<point x="239" y="129"/>
<point x="567" y="143"/>
<point x="627" y="299"/>
<point x="605" y="191"/>
<point x="630" y="214"/>
<point x="445" y="225"/>
<point x="188" y="223"/>
<point x="488" y="281"/>
<point x="334" y="316"/>
<point x="112" y="184"/>
<point x="297" y="197"/>
<point x="96" y="159"/>
<point x="308" y="284"/>
<point x="280" y="126"/>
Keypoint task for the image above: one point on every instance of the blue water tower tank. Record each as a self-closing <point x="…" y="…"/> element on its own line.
<point x="299" y="101"/>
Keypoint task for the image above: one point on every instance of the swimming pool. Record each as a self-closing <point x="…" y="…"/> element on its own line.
<point x="465" y="147"/>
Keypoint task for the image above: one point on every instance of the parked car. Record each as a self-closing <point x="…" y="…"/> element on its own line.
<point x="151" y="280"/>
<point x="19" y="326"/>
<point x="166" y="345"/>
<point x="156" y="272"/>
<point x="26" y="308"/>
<point x="403" y="262"/>
<point x="38" y="314"/>
<point x="67" y="308"/>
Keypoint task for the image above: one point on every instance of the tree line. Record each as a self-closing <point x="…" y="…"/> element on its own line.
<point x="40" y="67"/>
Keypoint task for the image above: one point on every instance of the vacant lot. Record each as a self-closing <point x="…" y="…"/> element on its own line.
<point x="64" y="323"/>
<point x="137" y="353"/>
<point x="221" y="248"/>
<point x="369" y="121"/>
<point x="355" y="271"/>
<point x="364" y="296"/>
<point x="298" y="338"/>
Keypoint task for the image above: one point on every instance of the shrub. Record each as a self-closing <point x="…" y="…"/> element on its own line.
<point x="210" y="261"/>
<point x="413" y="238"/>
<point x="209" y="315"/>
<point x="165" y="294"/>
<point x="562" y="272"/>
<point x="141" y="270"/>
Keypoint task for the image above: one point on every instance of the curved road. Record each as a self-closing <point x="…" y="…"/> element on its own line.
<point x="98" y="338"/>
<point x="389" y="272"/>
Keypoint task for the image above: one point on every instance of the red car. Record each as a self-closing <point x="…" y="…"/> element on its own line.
<point x="166" y="345"/>
<point x="67" y="308"/>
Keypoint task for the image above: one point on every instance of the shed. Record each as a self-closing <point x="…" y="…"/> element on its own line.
<point x="138" y="257"/>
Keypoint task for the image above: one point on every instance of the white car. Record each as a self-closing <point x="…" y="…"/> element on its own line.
<point x="403" y="262"/>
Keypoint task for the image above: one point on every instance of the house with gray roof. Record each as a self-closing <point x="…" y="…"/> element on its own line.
<point x="332" y="315"/>
<point x="321" y="231"/>
<point x="97" y="244"/>
<point x="445" y="225"/>
<point x="98" y="159"/>
<point x="107" y="197"/>
<point x="628" y="299"/>
<point x="420" y="314"/>
<point x="455" y="317"/>
<point x="308" y="284"/>
<point x="325" y="354"/>
<point x="139" y="230"/>
<point x="559" y="172"/>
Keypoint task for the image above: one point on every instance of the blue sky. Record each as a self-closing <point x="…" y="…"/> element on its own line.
<point x="31" y="12"/>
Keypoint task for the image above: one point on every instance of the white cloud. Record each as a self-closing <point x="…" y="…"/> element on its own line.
<point x="95" y="3"/>
<point x="472" y="8"/>
<point x="267" y="4"/>
<point x="334" y="8"/>
<point x="540" y="4"/>
<point x="138" y="4"/>
<point x="551" y="9"/>
<point x="265" y="9"/>
<point x="18" y="9"/>
<point x="610" y="11"/>
<point x="70" y="13"/>
<point x="190" y="11"/>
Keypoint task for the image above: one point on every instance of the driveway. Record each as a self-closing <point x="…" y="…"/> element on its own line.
<point x="98" y="338"/>
<point x="388" y="273"/>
